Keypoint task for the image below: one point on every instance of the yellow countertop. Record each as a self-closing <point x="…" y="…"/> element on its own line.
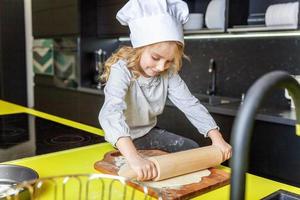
<point x="81" y="160"/>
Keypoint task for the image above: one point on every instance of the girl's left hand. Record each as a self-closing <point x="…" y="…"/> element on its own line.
<point x="217" y="140"/>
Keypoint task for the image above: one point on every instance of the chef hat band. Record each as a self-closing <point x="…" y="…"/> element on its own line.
<point x="149" y="25"/>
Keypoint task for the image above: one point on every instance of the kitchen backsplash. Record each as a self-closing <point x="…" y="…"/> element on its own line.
<point x="43" y="56"/>
<point x="58" y="58"/>
<point x="65" y="61"/>
<point x="239" y="62"/>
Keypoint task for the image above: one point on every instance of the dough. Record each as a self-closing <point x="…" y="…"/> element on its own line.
<point x="179" y="181"/>
<point x="120" y="161"/>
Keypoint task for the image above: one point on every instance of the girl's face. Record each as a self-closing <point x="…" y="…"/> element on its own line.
<point x="157" y="58"/>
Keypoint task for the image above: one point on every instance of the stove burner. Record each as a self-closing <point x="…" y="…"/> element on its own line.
<point x="12" y="134"/>
<point x="67" y="139"/>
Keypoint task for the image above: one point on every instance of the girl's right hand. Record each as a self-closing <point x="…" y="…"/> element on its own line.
<point x="144" y="168"/>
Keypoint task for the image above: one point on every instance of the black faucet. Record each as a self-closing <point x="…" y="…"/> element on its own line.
<point x="243" y="124"/>
<point x="213" y="78"/>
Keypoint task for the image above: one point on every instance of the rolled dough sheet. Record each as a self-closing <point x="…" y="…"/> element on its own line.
<point x="179" y="181"/>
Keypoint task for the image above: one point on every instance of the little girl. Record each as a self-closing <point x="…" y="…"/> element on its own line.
<point x="140" y="78"/>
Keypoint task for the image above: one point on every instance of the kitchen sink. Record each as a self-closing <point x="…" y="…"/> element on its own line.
<point x="216" y="100"/>
<point x="282" y="195"/>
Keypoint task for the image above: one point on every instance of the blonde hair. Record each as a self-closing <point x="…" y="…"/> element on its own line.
<point x="133" y="55"/>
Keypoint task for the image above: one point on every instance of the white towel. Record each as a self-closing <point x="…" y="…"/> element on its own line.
<point x="282" y="14"/>
<point x="215" y="14"/>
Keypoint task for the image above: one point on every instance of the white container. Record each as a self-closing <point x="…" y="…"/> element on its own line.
<point x="195" y="22"/>
<point x="215" y="14"/>
<point x="282" y="14"/>
<point x="286" y="93"/>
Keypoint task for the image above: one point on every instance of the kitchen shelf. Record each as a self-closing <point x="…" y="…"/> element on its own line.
<point x="259" y="28"/>
<point x="203" y="31"/>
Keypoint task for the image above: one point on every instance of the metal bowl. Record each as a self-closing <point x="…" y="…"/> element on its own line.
<point x="10" y="175"/>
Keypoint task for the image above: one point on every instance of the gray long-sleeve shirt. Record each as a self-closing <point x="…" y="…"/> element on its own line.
<point x="132" y="105"/>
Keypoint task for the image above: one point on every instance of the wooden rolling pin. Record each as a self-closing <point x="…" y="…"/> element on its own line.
<point x="179" y="163"/>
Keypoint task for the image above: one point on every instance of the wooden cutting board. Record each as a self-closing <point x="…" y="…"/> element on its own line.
<point x="216" y="179"/>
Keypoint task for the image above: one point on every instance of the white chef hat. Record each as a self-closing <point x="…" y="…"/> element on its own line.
<point x="152" y="21"/>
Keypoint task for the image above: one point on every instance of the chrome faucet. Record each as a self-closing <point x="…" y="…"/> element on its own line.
<point x="213" y="78"/>
<point x="243" y="124"/>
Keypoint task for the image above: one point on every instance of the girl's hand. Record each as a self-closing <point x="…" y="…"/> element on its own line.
<point x="144" y="168"/>
<point x="217" y="140"/>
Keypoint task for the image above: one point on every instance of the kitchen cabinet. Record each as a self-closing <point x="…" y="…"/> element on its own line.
<point x="57" y="101"/>
<point x="96" y="18"/>
<point x="108" y="25"/>
<point x="274" y="152"/>
<point x="13" y="84"/>
<point x="89" y="108"/>
<point x="55" y="18"/>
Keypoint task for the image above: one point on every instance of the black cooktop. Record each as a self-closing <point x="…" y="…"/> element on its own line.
<point x="24" y="135"/>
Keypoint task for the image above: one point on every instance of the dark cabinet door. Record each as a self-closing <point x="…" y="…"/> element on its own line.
<point x="55" y="18"/>
<point x="57" y="101"/>
<point x="38" y="5"/>
<point x="89" y="108"/>
<point x="13" y="87"/>
<point x="52" y="18"/>
<point x="108" y="25"/>
<point x="75" y="105"/>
